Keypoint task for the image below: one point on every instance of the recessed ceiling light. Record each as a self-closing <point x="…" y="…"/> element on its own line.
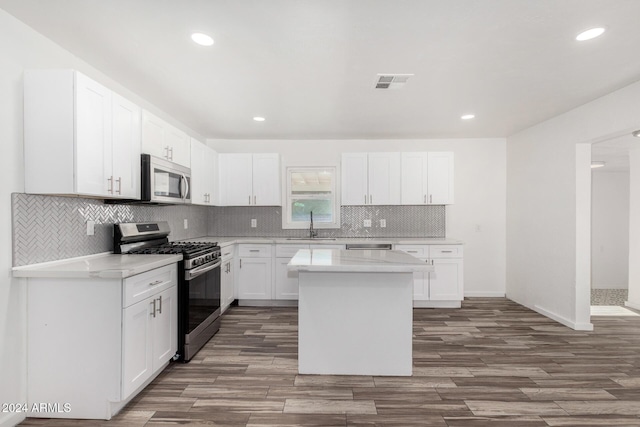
<point x="597" y="164"/>
<point x="467" y="117"/>
<point x="202" y="39"/>
<point x="590" y="34"/>
<point x="636" y="133"/>
<point x="259" y="119"/>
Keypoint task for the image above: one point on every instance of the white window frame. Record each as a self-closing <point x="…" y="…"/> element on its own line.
<point x="335" y="191"/>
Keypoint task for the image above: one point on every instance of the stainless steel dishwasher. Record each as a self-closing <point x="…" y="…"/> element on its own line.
<point x="369" y="246"/>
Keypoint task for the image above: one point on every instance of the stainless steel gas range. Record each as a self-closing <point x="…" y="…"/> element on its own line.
<point x="198" y="279"/>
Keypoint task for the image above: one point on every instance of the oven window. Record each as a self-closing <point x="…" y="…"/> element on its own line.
<point x="204" y="297"/>
<point x="166" y="183"/>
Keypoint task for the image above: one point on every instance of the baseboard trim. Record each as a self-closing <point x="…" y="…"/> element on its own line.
<point x="484" y="294"/>
<point x="11" y="420"/>
<point x="571" y="324"/>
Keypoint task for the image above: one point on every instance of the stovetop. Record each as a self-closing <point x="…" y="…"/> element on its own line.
<point x="188" y="249"/>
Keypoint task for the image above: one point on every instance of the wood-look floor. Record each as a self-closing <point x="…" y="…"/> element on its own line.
<point x="491" y="363"/>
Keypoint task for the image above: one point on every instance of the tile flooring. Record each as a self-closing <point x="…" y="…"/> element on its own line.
<point x="609" y="296"/>
<point x="490" y="363"/>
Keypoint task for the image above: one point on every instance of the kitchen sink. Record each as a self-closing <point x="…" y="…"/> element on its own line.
<point x="310" y="238"/>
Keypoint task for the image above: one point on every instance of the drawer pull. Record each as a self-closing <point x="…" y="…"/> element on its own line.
<point x="153" y="312"/>
<point x="160" y="305"/>
<point x="157" y="282"/>
<point x="412" y="252"/>
<point x="254" y="250"/>
<point x="446" y="252"/>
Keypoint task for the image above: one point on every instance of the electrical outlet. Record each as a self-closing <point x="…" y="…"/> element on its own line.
<point x="186" y="224"/>
<point x="254" y="223"/>
<point x="383" y="223"/>
<point x="91" y="228"/>
<point x="367" y="223"/>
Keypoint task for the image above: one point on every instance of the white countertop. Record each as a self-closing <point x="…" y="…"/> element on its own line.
<point x="367" y="261"/>
<point x="226" y="241"/>
<point x="102" y="266"/>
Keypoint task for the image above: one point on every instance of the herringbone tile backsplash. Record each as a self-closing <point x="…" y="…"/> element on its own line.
<point x="47" y="228"/>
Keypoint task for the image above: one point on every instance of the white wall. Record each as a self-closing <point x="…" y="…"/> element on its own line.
<point x="24" y="48"/>
<point x="541" y="204"/>
<point x="609" y="230"/>
<point x="478" y="215"/>
<point x="634" y="229"/>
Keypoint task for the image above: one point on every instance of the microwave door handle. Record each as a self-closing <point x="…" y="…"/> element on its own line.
<point x="186" y="187"/>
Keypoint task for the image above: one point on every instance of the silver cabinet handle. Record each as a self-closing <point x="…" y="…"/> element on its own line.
<point x="240" y="262"/>
<point x="254" y="250"/>
<point x="170" y="153"/>
<point x="160" y="305"/>
<point x="166" y="150"/>
<point x="425" y="198"/>
<point x="446" y="252"/>
<point x="153" y="312"/>
<point x="110" y="188"/>
<point x="412" y="252"/>
<point x="157" y="282"/>
<point x="249" y="199"/>
<point x="430" y="198"/>
<point x="370" y="199"/>
<point x="119" y="181"/>
<point x="365" y="199"/>
<point x="254" y="200"/>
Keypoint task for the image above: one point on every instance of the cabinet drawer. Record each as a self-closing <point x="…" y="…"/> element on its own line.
<point x="254" y="251"/>
<point x="445" y="251"/>
<point x="322" y="246"/>
<point x="418" y="251"/>
<point x="288" y="251"/>
<point x="142" y="286"/>
<point x="227" y="251"/>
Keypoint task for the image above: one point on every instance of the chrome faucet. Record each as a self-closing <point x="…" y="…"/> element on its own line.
<point x="312" y="233"/>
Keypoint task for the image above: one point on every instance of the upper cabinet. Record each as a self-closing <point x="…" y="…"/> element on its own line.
<point x="371" y="179"/>
<point x="80" y="138"/>
<point x="160" y="139"/>
<point x="427" y="178"/>
<point x="204" y="171"/>
<point x="249" y="179"/>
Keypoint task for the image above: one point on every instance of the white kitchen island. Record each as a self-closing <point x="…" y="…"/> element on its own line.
<point x="355" y="311"/>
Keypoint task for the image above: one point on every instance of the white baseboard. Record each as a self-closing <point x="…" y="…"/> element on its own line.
<point x="610" y="286"/>
<point x="571" y="324"/>
<point x="634" y="305"/>
<point x="478" y="294"/>
<point x="12" y="419"/>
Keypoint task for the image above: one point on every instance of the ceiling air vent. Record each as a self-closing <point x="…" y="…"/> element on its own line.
<point x="392" y="81"/>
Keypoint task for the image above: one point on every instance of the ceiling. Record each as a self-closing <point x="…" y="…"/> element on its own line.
<point x="309" y="66"/>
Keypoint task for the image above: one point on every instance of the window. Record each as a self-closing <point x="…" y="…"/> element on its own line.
<point x="311" y="189"/>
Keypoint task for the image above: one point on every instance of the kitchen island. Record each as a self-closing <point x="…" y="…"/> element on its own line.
<point x="355" y="311"/>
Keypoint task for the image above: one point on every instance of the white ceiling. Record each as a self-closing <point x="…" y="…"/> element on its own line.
<point x="309" y="66"/>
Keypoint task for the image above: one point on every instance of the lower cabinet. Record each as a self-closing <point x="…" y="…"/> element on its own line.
<point x="254" y="272"/>
<point x="444" y="286"/>
<point x="93" y="343"/>
<point x="227" y="279"/>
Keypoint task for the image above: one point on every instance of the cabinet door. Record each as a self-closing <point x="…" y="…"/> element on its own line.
<point x="254" y="278"/>
<point x="440" y="178"/>
<point x="198" y="173"/>
<point x="354" y="179"/>
<point x="236" y="177"/>
<point x="384" y="178"/>
<point x="445" y="283"/>
<point x="165" y="326"/>
<point x="226" y="284"/>
<point x="137" y="357"/>
<point x="286" y="285"/>
<point x="414" y="178"/>
<point x="420" y="286"/>
<point x="179" y="146"/>
<point x="211" y="176"/>
<point x="153" y="136"/>
<point x="126" y="147"/>
<point x="266" y="180"/>
<point x="93" y="138"/>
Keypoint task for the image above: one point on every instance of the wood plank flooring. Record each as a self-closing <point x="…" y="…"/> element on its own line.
<point x="490" y="363"/>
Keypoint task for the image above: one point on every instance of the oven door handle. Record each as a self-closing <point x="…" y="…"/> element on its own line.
<point x="186" y="187"/>
<point x="195" y="272"/>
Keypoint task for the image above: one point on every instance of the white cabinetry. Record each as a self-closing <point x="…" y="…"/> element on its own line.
<point x="444" y="286"/>
<point x="286" y="282"/>
<point x="227" y="285"/>
<point x="427" y="178"/>
<point x="160" y="139"/>
<point x="204" y="171"/>
<point x="80" y="138"/>
<point x="119" y="335"/>
<point x="254" y="272"/>
<point x="371" y="179"/>
<point x="249" y="179"/>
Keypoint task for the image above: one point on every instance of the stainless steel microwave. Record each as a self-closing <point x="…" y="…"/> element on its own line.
<point x="164" y="182"/>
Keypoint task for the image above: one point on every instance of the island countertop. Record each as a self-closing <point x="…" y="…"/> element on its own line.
<point x="362" y="261"/>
